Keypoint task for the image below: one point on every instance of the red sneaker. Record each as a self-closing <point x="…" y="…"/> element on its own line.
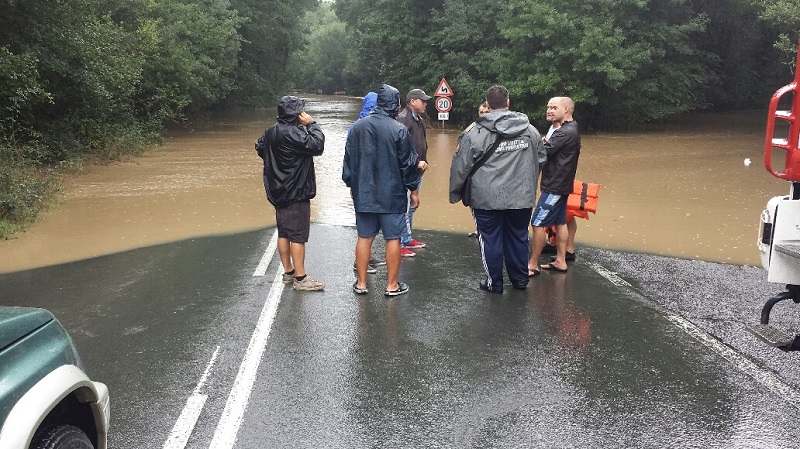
<point x="415" y="244"/>
<point x="405" y="252"/>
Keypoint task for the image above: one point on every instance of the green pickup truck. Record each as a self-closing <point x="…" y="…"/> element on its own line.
<point x="46" y="398"/>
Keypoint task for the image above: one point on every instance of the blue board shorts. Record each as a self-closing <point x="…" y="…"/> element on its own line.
<point x="551" y="210"/>
<point x="368" y="224"/>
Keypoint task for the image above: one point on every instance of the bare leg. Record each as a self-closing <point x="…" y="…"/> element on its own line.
<point x="539" y="236"/>
<point x="572" y="228"/>
<point x="392" y="264"/>
<point x="298" y="251"/>
<point x="562" y="235"/>
<point x="285" y="254"/>
<point x="363" y="252"/>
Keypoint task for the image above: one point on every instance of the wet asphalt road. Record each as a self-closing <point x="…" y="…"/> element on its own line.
<point x="626" y="350"/>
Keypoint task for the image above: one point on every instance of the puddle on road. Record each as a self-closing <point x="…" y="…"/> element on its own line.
<point x="681" y="191"/>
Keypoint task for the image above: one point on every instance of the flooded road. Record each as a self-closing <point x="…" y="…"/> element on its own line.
<point x="682" y="190"/>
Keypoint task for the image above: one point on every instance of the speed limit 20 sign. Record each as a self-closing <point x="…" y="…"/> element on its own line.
<point x="443" y="104"/>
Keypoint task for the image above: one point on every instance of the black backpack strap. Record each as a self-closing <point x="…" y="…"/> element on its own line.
<point x="486" y="156"/>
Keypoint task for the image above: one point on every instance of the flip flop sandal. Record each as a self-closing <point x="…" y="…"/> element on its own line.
<point x="532" y="272"/>
<point x="552" y="267"/>
<point x="358" y="290"/>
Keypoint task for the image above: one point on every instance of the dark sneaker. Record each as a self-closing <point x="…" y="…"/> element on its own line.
<point x="375" y="262"/>
<point x="402" y="289"/>
<point x="415" y="244"/>
<point x="370" y="269"/>
<point x="308" y="284"/>
<point x="570" y="257"/>
<point x="485" y="288"/>
<point x="358" y="290"/>
<point x="549" y="249"/>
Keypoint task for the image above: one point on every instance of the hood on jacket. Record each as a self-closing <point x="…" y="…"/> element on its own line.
<point x="504" y="122"/>
<point x="370" y="101"/>
<point x="289" y="107"/>
<point x="388" y="101"/>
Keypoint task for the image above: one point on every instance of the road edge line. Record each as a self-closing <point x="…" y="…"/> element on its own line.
<point x="761" y="375"/>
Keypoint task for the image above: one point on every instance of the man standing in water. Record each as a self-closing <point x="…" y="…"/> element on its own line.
<point x="502" y="190"/>
<point x="411" y="116"/>
<point x="287" y="149"/>
<point x="380" y="168"/>
<point x="558" y="176"/>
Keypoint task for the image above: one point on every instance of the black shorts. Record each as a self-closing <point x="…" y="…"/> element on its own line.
<point x="294" y="221"/>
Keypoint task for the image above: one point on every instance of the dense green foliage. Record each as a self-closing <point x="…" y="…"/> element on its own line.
<point x="102" y="78"/>
<point x="625" y="62"/>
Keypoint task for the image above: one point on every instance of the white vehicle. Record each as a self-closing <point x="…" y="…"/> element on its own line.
<point x="779" y="233"/>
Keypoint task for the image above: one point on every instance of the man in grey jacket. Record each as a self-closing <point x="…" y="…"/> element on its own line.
<point x="503" y="188"/>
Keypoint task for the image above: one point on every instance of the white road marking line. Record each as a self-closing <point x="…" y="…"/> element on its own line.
<point x="233" y="414"/>
<point x="261" y="269"/>
<point x="766" y="378"/>
<point x="609" y="275"/>
<point x="184" y="426"/>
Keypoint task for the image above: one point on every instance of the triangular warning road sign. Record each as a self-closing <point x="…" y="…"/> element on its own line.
<point x="443" y="90"/>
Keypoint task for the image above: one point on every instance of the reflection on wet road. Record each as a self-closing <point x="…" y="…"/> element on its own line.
<point x="576" y="360"/>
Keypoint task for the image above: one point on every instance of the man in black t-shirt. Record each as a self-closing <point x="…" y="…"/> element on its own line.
<point x="558" y="175"/>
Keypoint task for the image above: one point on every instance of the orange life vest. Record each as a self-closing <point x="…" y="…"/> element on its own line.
<point x="583" y="199"/>
<point x="580" y="202"/>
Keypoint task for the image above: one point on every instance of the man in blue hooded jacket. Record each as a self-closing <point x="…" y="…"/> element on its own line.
<point x="287" y="149"/>
<point x="380" y="167"/>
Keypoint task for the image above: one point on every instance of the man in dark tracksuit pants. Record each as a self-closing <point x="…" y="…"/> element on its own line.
<point x="503" y="189"/>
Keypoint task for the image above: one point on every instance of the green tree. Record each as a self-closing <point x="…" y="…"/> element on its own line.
<point x="270" y="33"/>
<point x="391" y="40"/>
<point x="626" y="62"/>
<point x="784" y="17"/>
<point x="190" y="51"/>
<point x="79" y="73"/>
<point x="323" y="62"/>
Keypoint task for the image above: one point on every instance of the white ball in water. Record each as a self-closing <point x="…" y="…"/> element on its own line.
<point x="747" y="162"/>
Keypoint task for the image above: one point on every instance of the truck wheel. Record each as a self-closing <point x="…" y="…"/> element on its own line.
<point x="60" y="436"/>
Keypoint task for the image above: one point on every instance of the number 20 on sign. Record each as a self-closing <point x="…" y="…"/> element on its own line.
<point x="443" y="104"/>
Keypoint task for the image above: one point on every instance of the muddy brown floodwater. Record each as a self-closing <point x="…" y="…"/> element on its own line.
<point x="682" y="190"/>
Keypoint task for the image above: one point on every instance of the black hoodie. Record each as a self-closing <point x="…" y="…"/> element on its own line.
<point x="287" y="149"/>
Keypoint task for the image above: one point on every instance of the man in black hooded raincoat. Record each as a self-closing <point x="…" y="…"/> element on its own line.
<point x="287" y="149"/>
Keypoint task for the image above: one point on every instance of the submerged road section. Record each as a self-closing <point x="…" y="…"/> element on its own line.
<point x="201" y="345"/>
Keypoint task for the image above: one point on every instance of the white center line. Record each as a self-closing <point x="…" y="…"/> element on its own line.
<point x="233" y="414"/>
<point x="191" y="411"/>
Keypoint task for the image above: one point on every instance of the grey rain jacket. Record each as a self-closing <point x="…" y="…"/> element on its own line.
<point x="380" y="163"/>
<point x="509" y="177"/>
<point x="287" y="149"/>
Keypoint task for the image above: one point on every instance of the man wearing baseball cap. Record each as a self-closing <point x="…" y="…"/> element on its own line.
<point x="411" y="116"/>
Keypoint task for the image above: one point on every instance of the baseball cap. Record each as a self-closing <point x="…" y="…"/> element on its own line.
<point x="417" y="93"/>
